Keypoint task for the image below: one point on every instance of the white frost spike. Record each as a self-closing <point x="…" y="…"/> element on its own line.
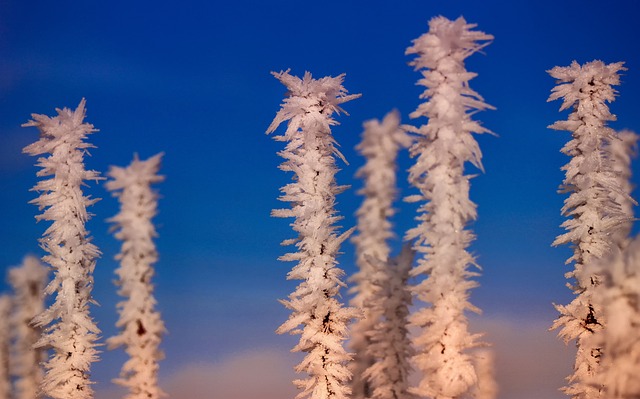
<point x="28" y="282"/>
<point x="141" y="327"/>
<point x="71" y="332"/>
<point x="485" y="368"/>
<point x="317" y="315"/>
<point x="390" y="345"/>
<point x="443" y="147"/>
<point x="619" y="296"/>
<point x="5" y="339"/>
<point x="623" y="148"/>
<point x="594" y="215"/>
<point x="380" y="144"/>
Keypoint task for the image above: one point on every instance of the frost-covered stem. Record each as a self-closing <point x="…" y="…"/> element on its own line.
<point x="140" y="324"/>
<point x="316" y="313"/>
<point x="5" y="343"/>
<point x="594" y="216"/>
<point x="380" y="145"/>
<point x="485" y="369"/>
<point x="444" y="145"/>
<point x="623" y="149"/>
<point x="619" y="295"/>
<point x="28" y="282"/>
<point x="390" y="345"/>
<point x="70" y="331"/>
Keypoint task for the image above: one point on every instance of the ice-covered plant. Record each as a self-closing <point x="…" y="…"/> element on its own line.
<point x="140" y="324"/>
<point x="28" y="282"/>
<point x="5" y="339"/>
<point x="485" y="369"/>
<point x="443" y="147"/>
<point x="390" y="346"/>
<point x="70" y="331"/>
<point x="380" y="144"/>
<point x="618" y="294"/>
<point x="623" y="148"/>
<point x="316" y="312"/>
<point x="594" y="215"/>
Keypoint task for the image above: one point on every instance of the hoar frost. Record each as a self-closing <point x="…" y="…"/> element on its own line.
<point x="622" y="149"/>
<point x="317" y="315"/>
<point x="141" y="327"/>
<point x="380" y="339"/>
<point x="390" y="345"/>
<point x="443" y="147"/>
<point x="485" y="369"/>
<point x="28" y="282"/>
<point x="69" y="329"/>
<point x="595" y="216"/>
<point x="5" y="339"/>
<point x="619" y="296"/>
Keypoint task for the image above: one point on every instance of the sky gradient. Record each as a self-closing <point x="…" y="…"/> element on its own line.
<point x="192" y="79"/>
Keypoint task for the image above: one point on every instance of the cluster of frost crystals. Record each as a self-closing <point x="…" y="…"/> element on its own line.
<point x="316" y="313"/>
<point x="619" y="295"/>
<point x="140" y="324"/>
<point x="28" y="282"/>
<point x="390" y="345"/>
<point x="5" y="339"/>
<point x="443" y="147"/>
<point x="380" y="144"/>
<point x="594" y="216"/>
<point x="622" y="149"/>
<point x="485" y="369"/>
<point x="70" y="331"/>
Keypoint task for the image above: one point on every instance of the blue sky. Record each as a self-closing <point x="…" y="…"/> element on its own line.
<point x="192" y="79"/>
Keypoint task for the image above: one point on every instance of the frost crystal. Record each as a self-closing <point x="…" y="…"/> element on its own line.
<point x="141" y="327"/>
<point x="28" y="282"/>
<point x="71" y="331"/>
<point x="594" y="215"/>
<point x="5" y="339"/>
<point x="380" y="144"/>
<point x="444" y="145"/>
<point x="622" y="149"/>
<point x="619" y="295"/>
<point x="485" y="364"/>
<point x="390" y="345"/>
<point x="317" y="315"/>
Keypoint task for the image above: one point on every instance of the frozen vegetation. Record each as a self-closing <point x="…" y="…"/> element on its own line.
<point x="317" y="315"/>
<point x="28" y="282"/>
<point x="69" y="328"/>
<point x="5" y="337"/>
<point x="622" y="149"/>
<point x="618" y="295"/>
<point x="487" y="387"/>
<point x="390" y="345"/>
<point x="444" y="145"/>
<point x="380" y="338"/>
<point x="594" y="215"/>
<point x="141" y="327"/>
<point x="47" y="351"/>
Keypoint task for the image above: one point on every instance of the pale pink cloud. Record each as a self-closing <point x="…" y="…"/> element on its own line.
<point x="265" y="374"/>
<point x="531" y="363"/>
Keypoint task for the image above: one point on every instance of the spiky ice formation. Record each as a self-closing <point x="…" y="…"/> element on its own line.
<point x="444" y="145"/>
<point x="141" y="326"/>
<point x="69" y="329"/>
<point x="316" y="313"/>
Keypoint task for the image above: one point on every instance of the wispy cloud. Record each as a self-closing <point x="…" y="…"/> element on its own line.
<point x="531" y="362"/>
<point x="264" y="374"/>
